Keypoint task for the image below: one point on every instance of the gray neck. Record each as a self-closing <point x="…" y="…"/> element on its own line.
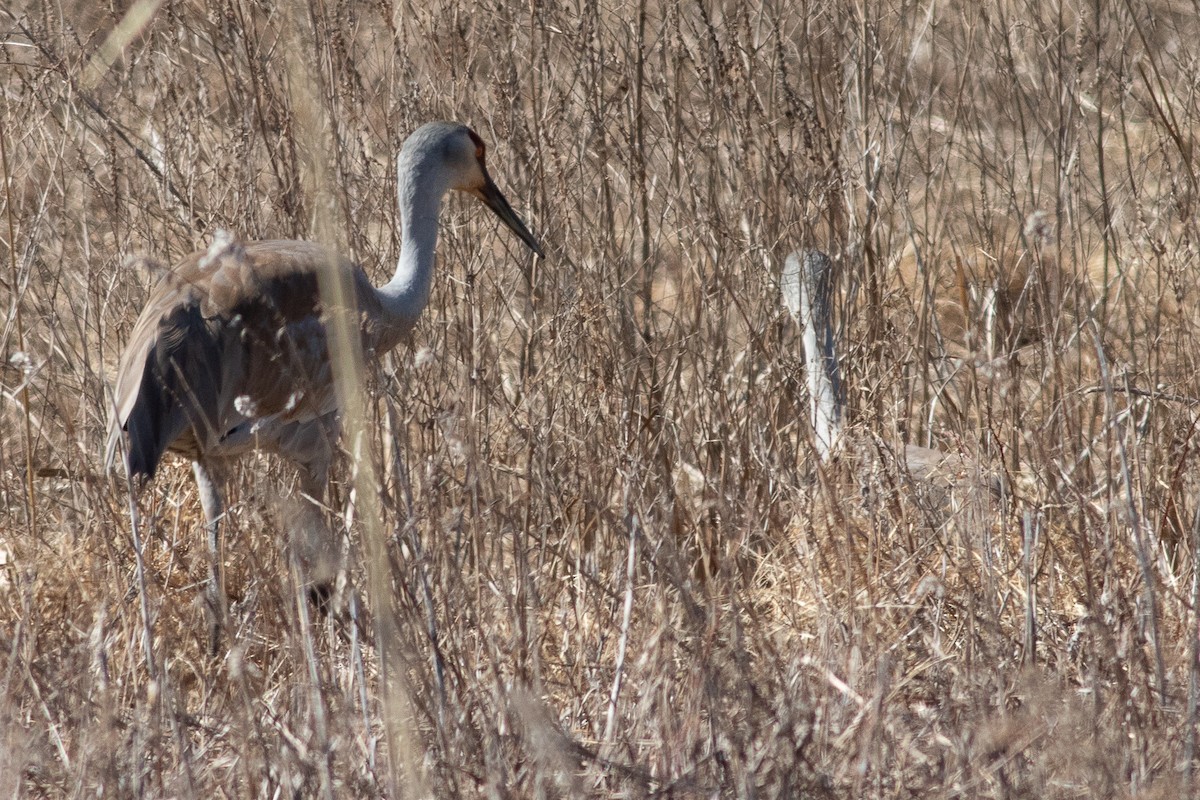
<point x="807" y="285"/>
<point x="405" y="295"/>
<point x="821" y="367"/>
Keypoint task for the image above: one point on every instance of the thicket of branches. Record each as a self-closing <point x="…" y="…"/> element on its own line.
<point x="619" y="567"/>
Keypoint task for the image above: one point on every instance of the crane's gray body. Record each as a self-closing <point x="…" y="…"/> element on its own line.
<point x="231" y="353"/>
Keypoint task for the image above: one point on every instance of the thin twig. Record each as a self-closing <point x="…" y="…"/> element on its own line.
<point x="30" y="497"/>
<point x="626" y="615"/>
<point x="60" y="66"/>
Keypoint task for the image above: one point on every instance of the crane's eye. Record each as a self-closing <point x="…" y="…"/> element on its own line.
<point x="480" y="150"/>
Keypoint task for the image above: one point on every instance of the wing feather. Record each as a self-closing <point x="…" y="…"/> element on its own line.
<point x="229" y="335"/>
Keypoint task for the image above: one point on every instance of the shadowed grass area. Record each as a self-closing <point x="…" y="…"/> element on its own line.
<point x="615" y="563"/>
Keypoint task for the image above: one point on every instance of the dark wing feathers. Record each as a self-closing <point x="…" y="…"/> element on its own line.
<point x="224" y="337"/>
<point x="180" y="381"/>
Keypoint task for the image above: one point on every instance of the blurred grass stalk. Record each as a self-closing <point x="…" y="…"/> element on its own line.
<point x="135" y="20"/>
<point x="315" y="139"/>
<point x="131" y="25"/>
<point x="19" y="324"/>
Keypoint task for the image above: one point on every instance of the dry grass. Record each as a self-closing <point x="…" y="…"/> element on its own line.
<point x="617" y="568"/>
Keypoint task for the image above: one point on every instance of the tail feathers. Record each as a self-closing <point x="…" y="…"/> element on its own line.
<point x="154" y="423"/>
<point x="179" y="389"/>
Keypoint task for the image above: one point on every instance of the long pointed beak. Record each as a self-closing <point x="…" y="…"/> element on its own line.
<point x="493" y="199"/>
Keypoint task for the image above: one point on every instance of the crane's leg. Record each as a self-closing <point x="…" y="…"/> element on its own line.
<point x="310" y="446"/>
<point x="207" y="480"/>
<point x="315" y="542"/>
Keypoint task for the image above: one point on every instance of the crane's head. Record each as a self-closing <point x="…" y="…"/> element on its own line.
<point x="456" y="154"/>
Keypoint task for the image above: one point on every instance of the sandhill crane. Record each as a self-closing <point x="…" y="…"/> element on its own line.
<point x="230" y="351"/>
<point x="807" y="285"/>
